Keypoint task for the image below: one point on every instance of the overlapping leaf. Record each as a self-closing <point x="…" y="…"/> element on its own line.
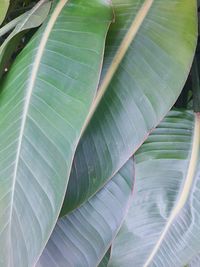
<point x="163" y="224"/>
<point x="138" y="87"/>
<point x="83" y="237"/>
<point x="43" y="104"/>
<point x="31" y="19"/>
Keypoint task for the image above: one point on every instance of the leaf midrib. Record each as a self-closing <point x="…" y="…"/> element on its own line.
<point x="29" y="90"/>
<point x="123" y="48"/>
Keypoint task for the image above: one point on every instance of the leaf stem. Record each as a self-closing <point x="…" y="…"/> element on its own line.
<point x="9" y="26"/>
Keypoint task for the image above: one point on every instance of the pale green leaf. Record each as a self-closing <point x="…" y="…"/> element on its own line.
<point x="44" y="102"/>
<point x="83" y="237"/>
<point x="162" y="226"/>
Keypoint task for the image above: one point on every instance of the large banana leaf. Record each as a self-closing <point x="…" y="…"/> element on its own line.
<point x="83" y="237"/>
<point x="43" y="104"/>
<point x="148" y="56"/>
<point x="4" y="4"/>
<point x="163" y="224"/>
<point x="31" y="19"/>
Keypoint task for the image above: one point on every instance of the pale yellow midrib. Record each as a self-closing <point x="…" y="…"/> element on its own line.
<point x="186" y="187"/>
<point x="125" y="44"/>
<point x="30" y="87"/>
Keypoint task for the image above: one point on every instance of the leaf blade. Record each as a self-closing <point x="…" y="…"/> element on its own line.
<point x="142" y="91"/>
<point x="41" y="120"/>
<point x="160" y="228"/>
<point x="83" y="237"/>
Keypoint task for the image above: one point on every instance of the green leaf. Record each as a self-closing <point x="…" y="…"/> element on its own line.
<point x="43" y="104"/>
<point x="83" y="237"/>
<point x="31" y="19"/>
<point x="162" y="226"/>
<point x="134" y="95"/>
<point x="4" y="4"/>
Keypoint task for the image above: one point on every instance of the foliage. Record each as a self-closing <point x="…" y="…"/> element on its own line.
<point x="99" y="148"/>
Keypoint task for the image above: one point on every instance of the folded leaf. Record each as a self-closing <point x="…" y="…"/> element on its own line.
<point x="31" y="19"/>
<point x="83" y="237"/>
<point x="43" y="104"/>
<point x="4" y="4"/>
<point x="148" y="56"/>
<point x="162" y="226"/>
